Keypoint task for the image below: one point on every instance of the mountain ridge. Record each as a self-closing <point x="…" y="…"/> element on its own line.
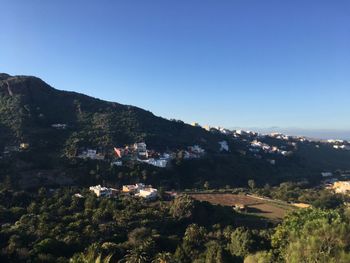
<point x="33" y="105"/>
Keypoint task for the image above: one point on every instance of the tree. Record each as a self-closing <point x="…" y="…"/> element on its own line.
<point x="214" y="253"/>
<point x="194" y="235"/>
<point x="163" y="257"/>
<point x="328" y="201"/>
<point x="139" y="235"/>
<point x="50" y="246"/>
<point x="241" y="242"/>
<point x="182" y="207"/>
<point x="260" y="257"/>
<point x="251" y="184"/>
<point x="294" y="222"/>
<point x="135" y="256"/>
<point x="319" y="242"/>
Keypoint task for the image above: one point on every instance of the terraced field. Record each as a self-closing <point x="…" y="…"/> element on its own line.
<point x="269" y="209"/>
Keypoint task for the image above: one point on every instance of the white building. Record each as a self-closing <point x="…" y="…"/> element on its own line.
<point x="342" y="187"/>
<point x="343" y="147"/>
<point x="162" y="163"/>
<point x="224" y="146"/>
<point x="148" y="193"/>
<point x="117" y="163"/>
<point x="240" y="132"/>
<point x="140" y="147"/>
<point x="60" y="126"/>
<point x="101" y="191"/>
<point x="256" y="144"/>
<point x="133" y="188"/>
<point x="196" y="149"/>
<point x="91" y="154"/>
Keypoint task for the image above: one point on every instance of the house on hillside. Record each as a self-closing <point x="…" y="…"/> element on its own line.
<point x="59" y="126"/>
<point x="224" y="146"/>
<point x="91" y="154"/>
<point x="195" y="124"/>
<point x="24" y="146"/>
<point x="161" y="163"/>
<point x="148" y="193"/>
<point x="141" y="149"/>
<point x="117" y="163"/>
<point x="101" y="191"/>
<point x="133" y="188"/>
<point x="342" y="187"/>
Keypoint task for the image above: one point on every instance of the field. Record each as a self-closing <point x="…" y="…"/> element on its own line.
<point x="269" y="209"/>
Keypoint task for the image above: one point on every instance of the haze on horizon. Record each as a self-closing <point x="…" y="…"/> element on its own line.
<point x="228" y="63"/>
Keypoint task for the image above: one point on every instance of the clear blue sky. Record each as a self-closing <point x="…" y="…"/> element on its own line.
<point x="231" y="63"/>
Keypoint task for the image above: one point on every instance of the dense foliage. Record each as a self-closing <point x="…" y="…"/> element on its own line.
<point x="28" y="108"/>
<point x="57" y="226"/>
<point x="50" y="226"/>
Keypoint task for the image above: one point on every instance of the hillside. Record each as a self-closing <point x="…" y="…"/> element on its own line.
<point x="29" y="107"/>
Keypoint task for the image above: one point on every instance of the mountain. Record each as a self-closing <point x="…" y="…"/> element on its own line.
<point x="29" y="107"/>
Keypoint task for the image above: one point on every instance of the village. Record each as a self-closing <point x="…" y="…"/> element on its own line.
<point x="272" y="145"/>
<point x="138" y="190"/>
<point x="138" y="152"/>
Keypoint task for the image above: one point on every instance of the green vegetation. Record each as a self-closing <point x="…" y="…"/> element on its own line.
<point x="56" y="226"/>
<point x="302" y="193"/>
<point x="41" y="220"/>
<point x="33" y="106"/>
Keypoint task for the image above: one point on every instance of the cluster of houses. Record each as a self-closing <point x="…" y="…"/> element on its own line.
<point x="140" y="190"/>
<point x="138" y="152"/>
<point x="342" y="147"/>
<point x="257" y="146"/>
<point x="339" y="144"/>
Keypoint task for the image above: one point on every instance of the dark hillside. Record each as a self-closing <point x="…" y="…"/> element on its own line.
<point x="29" y="106"/>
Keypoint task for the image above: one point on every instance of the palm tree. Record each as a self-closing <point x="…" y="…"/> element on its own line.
<point x="91" y="256"/>
<point x="135" y="256"/>
<point x="163" y="257"/>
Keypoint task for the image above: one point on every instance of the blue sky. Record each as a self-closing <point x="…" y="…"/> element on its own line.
<point x="228" y="63"/>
